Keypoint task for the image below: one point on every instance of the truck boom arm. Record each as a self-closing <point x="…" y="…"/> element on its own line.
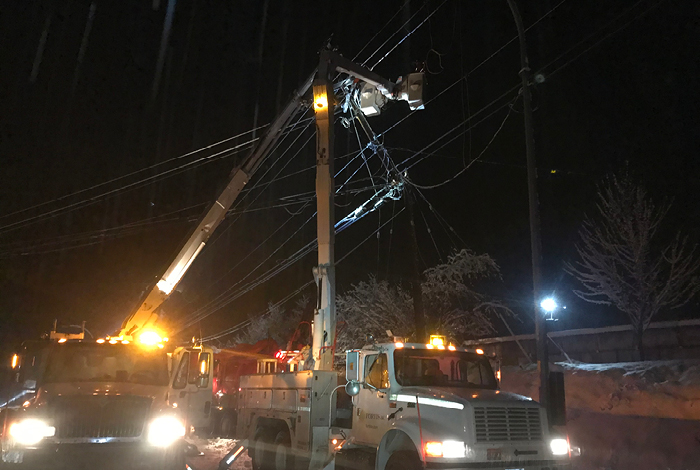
<point x="147" y="313"/>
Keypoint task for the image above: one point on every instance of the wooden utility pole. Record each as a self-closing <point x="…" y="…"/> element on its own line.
<point x="535" y="238"/>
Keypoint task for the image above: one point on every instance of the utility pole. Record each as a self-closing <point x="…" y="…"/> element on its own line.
<point x="411" y="91"/>
<point x="324" y="273"/>
<point x="535" y="239"/>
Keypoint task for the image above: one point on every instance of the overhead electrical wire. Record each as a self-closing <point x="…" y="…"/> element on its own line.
<point x="94" y="199"/>
<point x="467" y="166"/>
<point x="440" y="219"/>
<point x="408" y="35"/>
<point x="118" y="178"/>
<point x="307" y="284"/>
<point x="425" y="3"/>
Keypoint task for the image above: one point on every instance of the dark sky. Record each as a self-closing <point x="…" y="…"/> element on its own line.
<point x="78" y="110"/>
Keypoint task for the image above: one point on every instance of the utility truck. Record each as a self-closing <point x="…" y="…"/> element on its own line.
<point x="410" y="406"/>
<point x="114" y="404"/>
<point x="125" y="400"/>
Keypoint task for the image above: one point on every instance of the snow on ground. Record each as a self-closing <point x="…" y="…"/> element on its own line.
<point x="659" y="389"/>
<point x="214" y="450"/>
<point x="627" y="416"/>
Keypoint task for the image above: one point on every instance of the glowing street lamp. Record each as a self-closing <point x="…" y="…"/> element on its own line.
<point x="548" y="305"/>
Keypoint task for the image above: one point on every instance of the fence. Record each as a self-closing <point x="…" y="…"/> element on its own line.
<point x="662" y="341"/>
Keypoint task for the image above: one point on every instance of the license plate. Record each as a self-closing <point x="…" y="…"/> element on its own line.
<point x="13" y="456"/>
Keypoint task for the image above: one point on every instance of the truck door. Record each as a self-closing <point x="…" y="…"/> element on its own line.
<point x="373" y="400"/>
<point x="192" y="385"/>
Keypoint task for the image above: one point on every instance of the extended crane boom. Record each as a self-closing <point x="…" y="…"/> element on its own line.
<point x="146" y="315"/>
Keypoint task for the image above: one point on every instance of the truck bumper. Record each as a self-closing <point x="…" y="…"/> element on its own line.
<point x="130" y="456"/>
<point x="532" y="465"/>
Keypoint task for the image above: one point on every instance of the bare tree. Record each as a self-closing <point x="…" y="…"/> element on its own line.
<point x="623" y="263"/>
<point x="277" y="323"/>
<point x="455" y="306"/>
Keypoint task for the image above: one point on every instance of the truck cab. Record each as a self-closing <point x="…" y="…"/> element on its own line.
<point x="122" y="404"/>
<point x="441" y="406"/>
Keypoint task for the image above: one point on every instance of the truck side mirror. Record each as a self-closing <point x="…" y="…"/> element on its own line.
<point x="352" y="366"/>
<point x="204" y="365"/>
<point x="203" y="376"/>
<point x="352" y="388"/>
<point x="557" y="399"/>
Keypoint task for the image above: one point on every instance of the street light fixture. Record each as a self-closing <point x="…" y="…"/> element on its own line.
<point x="549" y="305"/>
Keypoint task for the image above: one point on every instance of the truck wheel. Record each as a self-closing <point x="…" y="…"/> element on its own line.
<point x="226" y="425"/>
<point x="284" y="459"/>
<point x="261" y="455"/>
<point x="173" y="459"/>
<point x="404" y="460"/>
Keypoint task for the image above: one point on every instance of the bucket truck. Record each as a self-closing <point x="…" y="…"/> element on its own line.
<point x="127" y="400"/>
<point x="408" y="406"/>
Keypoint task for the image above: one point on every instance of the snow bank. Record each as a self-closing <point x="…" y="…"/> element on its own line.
<point x="659" y="389"/>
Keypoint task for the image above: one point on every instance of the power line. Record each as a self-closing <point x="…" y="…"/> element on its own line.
<point x="604" y="38"/>
<point x="396" y="32"/>
<point x="307" y="284"/>
<point x="466" y="167"/>
<point x="408" y="35"/>
<point x="194" y="152"/>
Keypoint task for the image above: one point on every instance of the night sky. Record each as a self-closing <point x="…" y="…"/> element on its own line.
<point x="94" y="202"/>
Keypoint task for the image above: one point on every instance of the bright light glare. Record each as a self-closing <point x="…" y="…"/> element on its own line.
<point x="398" y="345"/>
<point x="451" y="348"/>
<point x="480" y="351"/>
<point x="548" y="305"/>
<point x="165" y="287"/>
<point x="149" y="338"/>
<point x="30" y="431"/>
<point x="62" y="340"/>
<point x="15" y="360"/>
<point x="100" y="341"/>
<point x="559" y="446"/>
<point x="437" y="340"/>
<point x="453" y="449"/>
<point x="433" y="449"/>
<point x="165" y="430"/>
<point x="320" y="102"/>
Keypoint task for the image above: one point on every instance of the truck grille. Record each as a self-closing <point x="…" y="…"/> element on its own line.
<point x="498" y="424"/>
<point x="99" y="416"/>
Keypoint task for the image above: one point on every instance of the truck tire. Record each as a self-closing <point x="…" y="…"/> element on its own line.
<point x="226" y="425"/>
<point x="404" y="460"/>
<point x="261" y="451"/>
<point x="283" y="458"/>
<point x="173" y="459"/>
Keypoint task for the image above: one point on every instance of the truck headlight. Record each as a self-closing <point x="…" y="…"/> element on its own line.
<point x="446" y="449"/>
<point x="165" y="430"/>
<point x="559" y="446"/>
<point x="30" y="431"/>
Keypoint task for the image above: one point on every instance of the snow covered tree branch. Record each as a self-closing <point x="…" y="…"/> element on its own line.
<point x="622" y="262"/>
<point x="453" y="304"/>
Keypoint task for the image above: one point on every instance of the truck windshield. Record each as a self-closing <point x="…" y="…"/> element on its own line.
<point x="86" y="362"/>
<point x="443" y="368"/>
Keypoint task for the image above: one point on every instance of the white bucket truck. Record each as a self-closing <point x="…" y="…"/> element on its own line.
<point x="413" y="406"/>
